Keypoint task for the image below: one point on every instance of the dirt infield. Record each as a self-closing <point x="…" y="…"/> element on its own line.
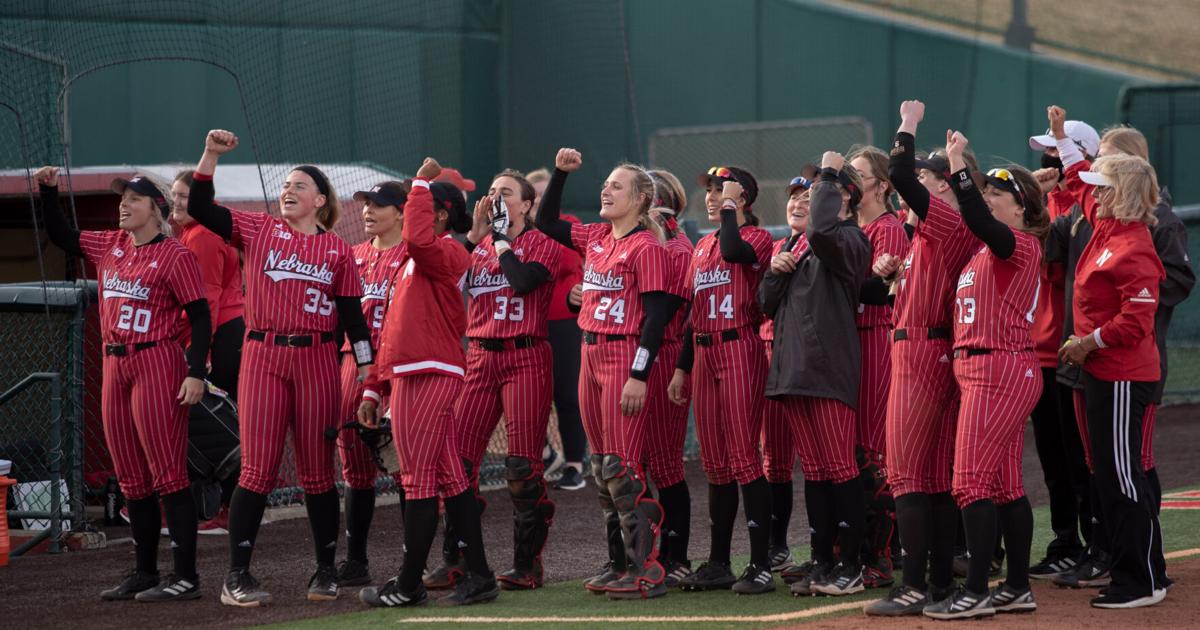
<point x="62" y="591"/>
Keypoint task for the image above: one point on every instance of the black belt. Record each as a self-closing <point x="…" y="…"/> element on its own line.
<point x="900" y="334"/>
<point x="499" y="345"/>
<point x="710" y="339"/>
<point x="120" y="350"/>
<point x="291" y="341"/>
<point x="963" y="353"/>
<point x="591" y="338"/>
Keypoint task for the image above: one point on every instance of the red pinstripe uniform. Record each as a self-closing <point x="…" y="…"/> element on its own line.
<point x="819" y="427"/>
<point x="616" y="273"/>
<point x="378" y="270"/>
<point x="668" y="428"/>
<point x="516" y="381"/>
<point x="728" y="377"/>
<point x="874" y="322"/>
<point x="291" y="280"/>
<point x="994" y="307"/>
<point x="779" y="449"/>
<point x="919" y="428"/>
<point x="143" y="290"/>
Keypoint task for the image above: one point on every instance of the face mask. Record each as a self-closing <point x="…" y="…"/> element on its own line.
<point x="1050" y="161"/>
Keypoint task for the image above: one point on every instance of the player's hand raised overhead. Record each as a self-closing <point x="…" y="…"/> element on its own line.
<point x="430" y="169"/>
<point x="568" y="160"/>
<point x="46" y="176"/>
<point x="912" y="112"/>
<point x="1057" y="117"/>
<point x="220" y="141"/>
<point x="833" y="160"/>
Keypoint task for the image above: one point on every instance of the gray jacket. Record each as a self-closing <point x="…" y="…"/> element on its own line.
<point x="816" y="351"/>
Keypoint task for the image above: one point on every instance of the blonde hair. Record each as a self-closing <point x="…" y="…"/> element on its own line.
<point x="643" y="186"/>
<point x="878" y="162"/>
<point x="1127" y="140"/>
<point x="537" y="176"/>
<point x="1135" y="187"/>
<point x="164" y="223"/>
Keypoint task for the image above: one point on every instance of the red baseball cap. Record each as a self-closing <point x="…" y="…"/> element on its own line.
<point x="452" y="176"/>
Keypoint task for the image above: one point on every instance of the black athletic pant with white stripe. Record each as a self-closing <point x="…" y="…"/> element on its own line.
<point x="1114" y="415"/>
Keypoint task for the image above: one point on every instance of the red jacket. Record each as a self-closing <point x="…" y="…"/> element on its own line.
<point x="426" y="319"/>
<point x="570" y="273"/>
<point x="1047" y="328"/>
<point x="1116" y="293"/>
<point x="222" y="274"/>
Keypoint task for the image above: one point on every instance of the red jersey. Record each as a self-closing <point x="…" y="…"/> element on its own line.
<point x="723" y="293"/>
<point x="569" y="274"/>
<point x="941" y="245"/>
<point x="292" y="277"/>
<point x="767" y="331"/>
<point x="1116" y="291"/>
<point x="378" y="270"/>
<point x="995" y="299"/>
<point x="887" y="236"/>
<point x="221" y="271"/>
<point x="1051" y="311"/>
<point x="497" y="311"/>
<point x="616" y="271"/>
<point x="142" y="289"/>
<point x="679" y="257"/>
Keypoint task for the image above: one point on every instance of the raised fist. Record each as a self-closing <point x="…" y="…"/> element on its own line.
<point x="1057" y="118"/>
<point x="568" y="160"/>
<point x="429" y="169"/>
<point x="1047" y="178"/>
<point x="956" y="143"/>
<point x="220" y="141"/>
<point x="833" y="160"/>
<point x="47" y="176"/>
<point x="731" y="190"/>
<point x="912" y="111"/>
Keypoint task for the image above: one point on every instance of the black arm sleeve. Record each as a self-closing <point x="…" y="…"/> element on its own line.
<point x="733" y="248"/>
<point x="902" y="170"/>
<point x="998" y="237"/>
<point x="687" y="356"/>
<point x="549" y="215"/>
<point x="469" y="245"/>
<point x="197" y="351"/>
<point x="522" y="277"/>
<point x="207" y="213"/>
<point x="58" y="227"/>
<point x="350" y="318"/>
<point x="660" y="307"/>
<point x="874" y="291"/>
<point x="1059" y="238"/>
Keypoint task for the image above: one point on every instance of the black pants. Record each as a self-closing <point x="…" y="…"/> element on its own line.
<point x="565" y="339"/>
<point x="1114" y="414"/>
<point x="227" y="355"/>
<point x="1060" y="450"/>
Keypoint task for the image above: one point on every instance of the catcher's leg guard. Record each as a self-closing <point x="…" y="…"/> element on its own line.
<point x="880" y="522"/>
<point x="533" y="513"/>
<point x="641" y="518"/>
<point x="615" y="567"/>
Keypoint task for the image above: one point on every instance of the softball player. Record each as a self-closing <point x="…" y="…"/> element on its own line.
<point x="145" y="279"/>
<point x="668" y="427"/>
<point x="625" y="307"/>
<point x="779" y="450"/>
<point x="300" y="281"/>
<point x="878" y="220"/>
<point x="421" y="364"/>
<point x="730" y="369"/>
<point x="1000" y="380"/>
<point x="379" y="264"/>
<point x="919" y="426"/>
<point x="509" y="361"/>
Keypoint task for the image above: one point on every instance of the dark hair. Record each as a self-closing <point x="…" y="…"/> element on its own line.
<point x="878" y="161"/>
<point x="1037" y="220"/>
<point x="449" y="198"/>
<point x="527" y="191"/>
<point x="328" y="214"/>
<point x="186" y="176"/>
<point x="750" y="187"/>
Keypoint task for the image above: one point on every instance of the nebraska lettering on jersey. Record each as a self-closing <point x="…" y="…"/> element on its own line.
<point x="378" y="270"/>
<point x="724" y="292"/>
<point x="616" y="273"/>
<point x="292" y="278"/>
<point x="292" y="268"/>
<point x="496" y="310"/>
<point x="995" y="299"/>
<point x="143" y="289"/>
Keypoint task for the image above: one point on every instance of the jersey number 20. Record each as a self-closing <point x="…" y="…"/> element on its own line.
<point x="138" y="320"/>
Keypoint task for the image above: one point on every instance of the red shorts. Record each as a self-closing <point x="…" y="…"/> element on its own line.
<point x="778" y="448"/>
<point x="668" y="422"/>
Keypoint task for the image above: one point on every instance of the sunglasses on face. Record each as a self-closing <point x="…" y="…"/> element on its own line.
<point x="1006" y="176"/>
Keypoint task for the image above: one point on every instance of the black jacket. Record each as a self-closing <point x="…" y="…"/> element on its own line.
<point x="816" y="351"/>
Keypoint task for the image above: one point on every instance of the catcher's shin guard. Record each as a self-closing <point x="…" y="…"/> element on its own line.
<point x="641" y="518"/>
<point x="615" y="567"/>
<point x="533" y="513"/>
<point x="880" y="516"/>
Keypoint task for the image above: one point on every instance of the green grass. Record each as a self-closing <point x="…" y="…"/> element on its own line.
<point x="569" y="599"/>
<point x="1183" y="376"/>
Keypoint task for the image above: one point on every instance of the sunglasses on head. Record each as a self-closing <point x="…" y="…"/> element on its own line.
<point x="720" y="171"/>
<point x="1006" y="176"/>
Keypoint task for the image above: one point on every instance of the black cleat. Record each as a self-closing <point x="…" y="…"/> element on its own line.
<point x="797" y="572"/>
<point x="711" y="576"/>
<point x="844" y="579"/>
<point x="133" y="583"/>
<point x="816" y="574"/>
<point x="472" y="589"/>
<point x="962" y="604"/>
<point x="242" y="590"/>
<point x="390" y="596"/>
<point x="1050" y="567"/>
<point x="172" y="589"/>
<point x="781" y="558"/>
<point x="755" y="580"/>
<point x="676" y="573"/>
<point x="323" y="585"/>
<point x="353" y="573"/>
<point x="902" y="601"/>
<point x="1006" y="599"/>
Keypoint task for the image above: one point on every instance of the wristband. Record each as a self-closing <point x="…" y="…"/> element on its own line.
<point x="502" y="246"/>
<point x="362" y="353"/>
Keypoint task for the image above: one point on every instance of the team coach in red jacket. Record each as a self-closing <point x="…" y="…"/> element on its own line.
<point x="1116" y="295"/>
